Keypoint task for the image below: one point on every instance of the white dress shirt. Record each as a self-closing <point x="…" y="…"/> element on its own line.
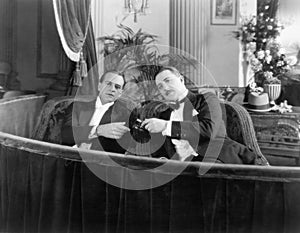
<point x="100" y="110"/>
<point x="183" y="147"/>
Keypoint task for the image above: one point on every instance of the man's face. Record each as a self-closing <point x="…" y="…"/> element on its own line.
<point x="110" y="88"/>
<point x="170" y="85"/>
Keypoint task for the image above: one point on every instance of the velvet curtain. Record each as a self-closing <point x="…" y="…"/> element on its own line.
<point x="90" y="84"/>
<point x="75" y="29"/>
<point x="54" y="191"/>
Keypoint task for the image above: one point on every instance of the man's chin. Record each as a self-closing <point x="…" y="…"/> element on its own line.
<point x="170" y="98"/>
<point x="108" y="100"/>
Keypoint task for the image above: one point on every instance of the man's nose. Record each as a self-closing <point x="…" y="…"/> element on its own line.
<point x="113" y="88"/>
<point x="164" y="87"/>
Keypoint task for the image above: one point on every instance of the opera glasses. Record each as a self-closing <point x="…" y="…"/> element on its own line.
<point x="139" y="133"/>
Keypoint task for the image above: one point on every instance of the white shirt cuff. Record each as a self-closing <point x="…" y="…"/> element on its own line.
<point x="167" y="131"/>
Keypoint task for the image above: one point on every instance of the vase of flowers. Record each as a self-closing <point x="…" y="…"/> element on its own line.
<point x="273" y="91"/>
<point x="272" y="86"/>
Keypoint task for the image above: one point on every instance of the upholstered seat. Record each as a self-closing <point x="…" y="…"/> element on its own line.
<point x="238" y="124"/>
<point x="48" y="127"/>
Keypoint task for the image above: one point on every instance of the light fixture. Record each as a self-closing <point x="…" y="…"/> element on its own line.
<point x="136" y="7"/>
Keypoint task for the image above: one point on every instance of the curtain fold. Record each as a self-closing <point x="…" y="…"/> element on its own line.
<point x="70" y="30"/>
<point x="74" y="26"/>
<point x="90" y="84"/>
<point x="41" y="193"/>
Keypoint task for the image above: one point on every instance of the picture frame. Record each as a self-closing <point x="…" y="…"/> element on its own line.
<point x="223" y="12"/>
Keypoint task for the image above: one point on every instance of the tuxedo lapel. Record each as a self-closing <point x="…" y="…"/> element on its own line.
<point x="166" y="114"/>
<point x="189" y="106"/>
<point x="107" y="117"/>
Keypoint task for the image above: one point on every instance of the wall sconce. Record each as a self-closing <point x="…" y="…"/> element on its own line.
<point x="136" y="7"/>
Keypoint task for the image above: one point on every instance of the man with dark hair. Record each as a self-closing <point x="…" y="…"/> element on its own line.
<point x="194" y="130"/>
<point x="100" y="123"/>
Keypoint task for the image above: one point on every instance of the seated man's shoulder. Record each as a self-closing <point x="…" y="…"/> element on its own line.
<point x="125" y="104"/>
<point x="208" y="97"/>
<point x="84" y="103"/>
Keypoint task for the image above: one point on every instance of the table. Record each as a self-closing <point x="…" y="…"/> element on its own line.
<point x="278" y="136"/>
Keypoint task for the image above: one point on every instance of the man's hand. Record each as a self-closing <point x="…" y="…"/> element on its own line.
<point x="154" y="125"/>
<point x="112" y="130"/>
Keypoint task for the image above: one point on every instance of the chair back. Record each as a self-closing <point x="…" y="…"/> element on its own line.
<point x="48" y="127"/>
<point x="239" y="127"/>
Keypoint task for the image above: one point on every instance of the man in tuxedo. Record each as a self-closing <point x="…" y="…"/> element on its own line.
<point x="100" y="123"/>
<point x="194" y="130"/>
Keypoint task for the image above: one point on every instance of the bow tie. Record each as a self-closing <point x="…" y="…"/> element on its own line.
<point x="175" y="105"/>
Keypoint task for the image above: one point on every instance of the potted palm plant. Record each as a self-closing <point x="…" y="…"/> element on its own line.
<point x="126" y="48"/>
<point x="137" y="52"/>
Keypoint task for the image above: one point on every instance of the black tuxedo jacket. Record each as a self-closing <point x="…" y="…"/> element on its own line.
<point x="204" y="129"/>
<point x="76" y="127"/>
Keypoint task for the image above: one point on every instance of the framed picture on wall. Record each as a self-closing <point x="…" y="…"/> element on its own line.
<point x="223" y="12"/>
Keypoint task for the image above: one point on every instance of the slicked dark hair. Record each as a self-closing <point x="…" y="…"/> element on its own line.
<point x="170" y="68"/>
<point x="114" y="72"/>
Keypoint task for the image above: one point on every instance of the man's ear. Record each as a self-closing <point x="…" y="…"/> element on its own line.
<point x="182" y="79"/>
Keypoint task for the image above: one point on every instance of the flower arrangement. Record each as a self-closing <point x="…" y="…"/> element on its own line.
<point x="269" y="65"/>
<point x="270" y="79"/>
<point x="256" y="31"/>
<point x="258" y="36"/>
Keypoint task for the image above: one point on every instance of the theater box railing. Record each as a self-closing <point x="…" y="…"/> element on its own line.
<point x="45" y="187"/>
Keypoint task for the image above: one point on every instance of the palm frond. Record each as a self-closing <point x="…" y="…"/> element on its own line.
<point x="127" y="49"/>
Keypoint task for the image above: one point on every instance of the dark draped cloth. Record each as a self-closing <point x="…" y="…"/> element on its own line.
<point x="290" y="86"/>
<point x="77" y="30"/>
<point x="47" y="188"/>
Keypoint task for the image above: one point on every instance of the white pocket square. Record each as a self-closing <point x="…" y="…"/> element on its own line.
<point x="195" y="113"/>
